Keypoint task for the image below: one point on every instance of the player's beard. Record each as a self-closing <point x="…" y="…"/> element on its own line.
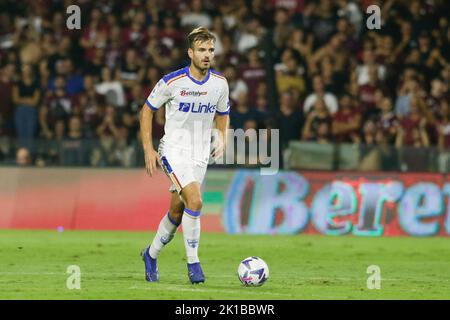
<point x="200" y="66"/>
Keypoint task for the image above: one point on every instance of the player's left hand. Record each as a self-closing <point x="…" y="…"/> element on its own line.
<point x="218" y="148"/>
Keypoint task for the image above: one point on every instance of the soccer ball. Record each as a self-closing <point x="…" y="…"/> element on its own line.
<point x="253" y="271"/>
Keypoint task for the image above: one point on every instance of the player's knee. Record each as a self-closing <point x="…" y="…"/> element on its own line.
<point x="194" y="203"/>
<point x="176" y="216"/>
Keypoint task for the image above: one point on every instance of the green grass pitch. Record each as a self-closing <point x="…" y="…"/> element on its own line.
<point x="33" y="265"/>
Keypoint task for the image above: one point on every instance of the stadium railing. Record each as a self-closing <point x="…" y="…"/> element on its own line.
<point x="360" y="157"/>
<point x="297" y="155"/>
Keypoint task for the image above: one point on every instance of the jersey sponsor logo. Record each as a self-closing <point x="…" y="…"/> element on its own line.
<point x="185" y="93"/>
<point x="197" y="107"/>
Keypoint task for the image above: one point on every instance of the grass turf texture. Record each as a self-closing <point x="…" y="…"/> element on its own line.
<point x="33" y="265"/>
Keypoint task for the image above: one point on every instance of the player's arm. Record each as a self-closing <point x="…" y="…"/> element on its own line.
<point x="222" y="122"/>
<point x="150" y="154"/>
<point x="155" y="100"/>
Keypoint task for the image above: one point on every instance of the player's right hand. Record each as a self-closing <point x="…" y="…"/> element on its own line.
<point x="151" y="157"/>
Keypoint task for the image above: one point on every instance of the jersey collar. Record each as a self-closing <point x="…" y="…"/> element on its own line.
<point x="196" y="81"/>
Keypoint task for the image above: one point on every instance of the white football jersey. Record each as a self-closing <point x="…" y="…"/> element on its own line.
<point x="190" y="108"/>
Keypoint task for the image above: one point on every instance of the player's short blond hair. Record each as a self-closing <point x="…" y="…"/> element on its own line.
<point x="201" y="34"/>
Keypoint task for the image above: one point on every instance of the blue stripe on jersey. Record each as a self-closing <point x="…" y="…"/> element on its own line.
<point x="222" y="113"/>
<point x="174" y="74"/>
<point x="218" y="73"/>
<point x="196" y="81"/>
<point x="150" y="105"/>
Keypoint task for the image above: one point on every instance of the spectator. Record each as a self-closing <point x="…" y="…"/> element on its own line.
<point x="301" y="41"/>
<point x="72" y="147"/>
<point x="253" y="73"/>
<point x="107" y="131"/>
<point x="346" y="121"/>
<point x="367" y="93"/>
<point x="282" y="28"/>
<point x="130" y="71"/>
<point x="369" y="62"/>
<point x="73" y="81"/>
<point x="113" y="51"/>
<point x="443" y="130"/>
<point x="229" y="56"/>
<point x="319" y="93"/>
<point x="438" y="92"/>
<point x="92" y="105"/>
<point x="412" y="130"/>
<point x="404" y="97"/>
<point x="94" y="35"/>
<point x="26" y="95"/>
<point x="411" y="138"/>
<point x="352" y="12"/>
<point x="170" y="35"/>
<point x="322" y="21"/>
<point x="318" y="123"/>
<point x="6" y="100"/>
<point x="136" y="98"/>
<point x="250" y="35"/>
<point x="23" y="157"/>
<point x="63" y="51"/>
<point x="57" y="105"/>
<point x="123" y="152"/>
<point x="289" y="79"/>
<point x="218" y="30"/>
<point x="196" y="17"/>
<point x="111" y="89"/>
<point x="134" y="34"/>
<point x="289" y="119"/>
<point x="235" y="84"/>
<point x="387" y="122"/>
<point x="242" y="115"/>
<point x="94" y="67"/>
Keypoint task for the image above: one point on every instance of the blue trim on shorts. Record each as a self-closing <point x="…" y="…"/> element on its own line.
<point x="166" y="164"/>
<point x="192" y="213"/>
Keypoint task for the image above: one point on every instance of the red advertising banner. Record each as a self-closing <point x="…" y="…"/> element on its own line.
<point x="85" y="199"/>
<point x="235" y="201"/>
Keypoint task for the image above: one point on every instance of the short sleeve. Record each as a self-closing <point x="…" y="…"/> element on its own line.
<point x="223" y="106"/>
<point x="159" y="96"/>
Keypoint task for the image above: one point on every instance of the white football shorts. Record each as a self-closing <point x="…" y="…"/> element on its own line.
<point x="181" y="168"/>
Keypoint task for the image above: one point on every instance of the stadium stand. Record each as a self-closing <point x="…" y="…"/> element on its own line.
<point x="309" y="68"/>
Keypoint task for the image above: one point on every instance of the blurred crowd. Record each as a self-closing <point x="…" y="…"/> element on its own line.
<point x="311" y="68"/>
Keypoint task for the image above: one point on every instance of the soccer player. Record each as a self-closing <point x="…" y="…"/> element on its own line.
<point x="194" y="97"/>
